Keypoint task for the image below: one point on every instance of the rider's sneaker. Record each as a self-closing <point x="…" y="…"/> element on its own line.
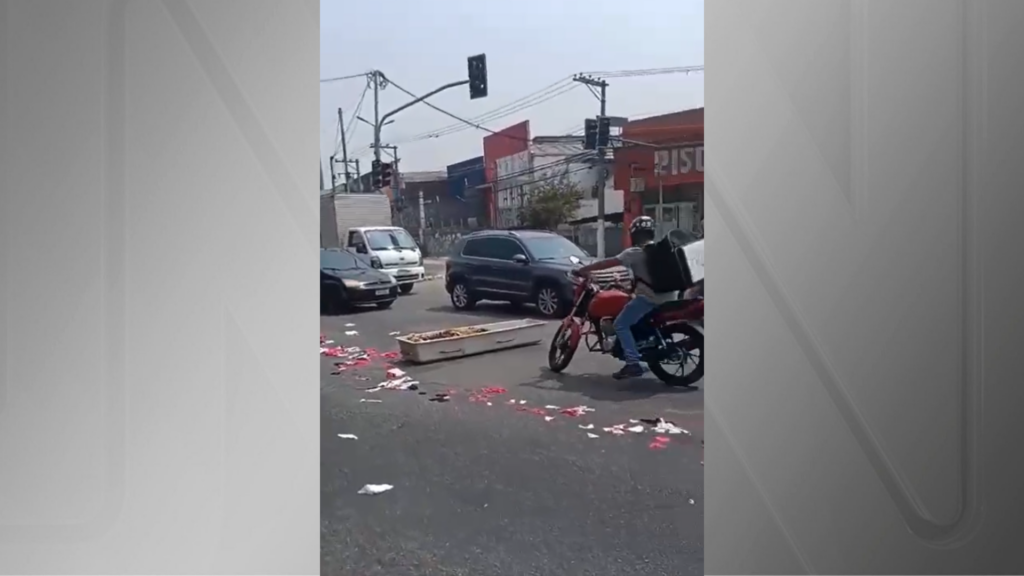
<point x="629" y="371"/>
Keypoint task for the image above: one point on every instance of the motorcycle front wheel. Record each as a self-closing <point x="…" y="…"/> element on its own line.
<point x="561" y="351"/>
<point x="679" y="353"/>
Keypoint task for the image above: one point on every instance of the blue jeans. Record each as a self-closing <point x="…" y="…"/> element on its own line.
<point x="637" y="308"/>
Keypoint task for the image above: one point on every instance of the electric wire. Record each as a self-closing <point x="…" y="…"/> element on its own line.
<point x="547" y="93"/>
<point x="497" y="114"/>
<point x="348" y="77"/>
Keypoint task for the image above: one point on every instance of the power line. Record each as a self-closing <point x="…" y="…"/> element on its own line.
<point x="447" y="113"/>
<point x="647" y="72"/>
<point x="547" y="93"/>
<point x="491" y="120"/>
<point x="350" y="128"/>
<point x="539" y="97"/>
<point x="349" y="77"/>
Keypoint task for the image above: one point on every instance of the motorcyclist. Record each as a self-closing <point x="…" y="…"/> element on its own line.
<point x="641" y="233"/>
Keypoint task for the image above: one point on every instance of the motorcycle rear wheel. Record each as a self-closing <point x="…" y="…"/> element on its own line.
<point x="561" y="351"/>
<point x="694" y="340"/>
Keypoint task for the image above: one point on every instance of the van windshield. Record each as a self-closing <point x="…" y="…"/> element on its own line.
<point x="393" y="238"/>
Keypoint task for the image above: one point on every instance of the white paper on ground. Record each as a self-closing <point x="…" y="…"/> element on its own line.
<point x="348" y="436"/>
<point x="374" y="489"/>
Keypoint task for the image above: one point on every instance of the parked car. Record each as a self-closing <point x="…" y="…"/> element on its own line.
<point x="348" y="280"/>
<point x="390" y="249"/>
<point x="520" y="267"/>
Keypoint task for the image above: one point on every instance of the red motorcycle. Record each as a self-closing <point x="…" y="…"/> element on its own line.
<point x="671" y="335"/>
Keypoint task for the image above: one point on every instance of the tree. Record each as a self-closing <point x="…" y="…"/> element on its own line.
<point x="551" y="203"/>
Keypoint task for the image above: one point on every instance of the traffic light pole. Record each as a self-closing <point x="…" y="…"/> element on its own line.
<point x="379" y="121"/>
<point x="601" y="164"/>
<point x="344" y="150"/>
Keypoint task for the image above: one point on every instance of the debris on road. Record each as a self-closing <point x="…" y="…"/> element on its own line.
<point x="351" y="333"/>
<point x="486" y="394"/>
<point x="587" y="426"/>
<point x="662" y="426"/>
<point x="370" y="400"/>
<point x="618" y="429"/>
<point x="635" y="429"/>
<point x="659" y="443"/>
<point x="395" y="333"/>
<point x="444" y="334"/>
<point x="551" y="407"/>
<point x="394" y="373"/>
<point x="440" y="397"/>
<point x="576" y="411"/>
<point x="592" y="435"/>
<point x="349" y="325"/>
<point x="374" y="489"/>
<point x="403" y="383"/>
<point x="348" y="437"/>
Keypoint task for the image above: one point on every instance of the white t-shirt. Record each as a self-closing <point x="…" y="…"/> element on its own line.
<point x="635" y="259"/>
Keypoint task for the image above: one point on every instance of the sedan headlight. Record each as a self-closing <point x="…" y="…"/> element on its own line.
<point x="355" y="284"/>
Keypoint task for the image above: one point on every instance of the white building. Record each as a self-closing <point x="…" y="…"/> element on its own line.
<point x="548" y="158"/>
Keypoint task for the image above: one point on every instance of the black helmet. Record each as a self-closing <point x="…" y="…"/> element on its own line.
<point x="641" y="230"/>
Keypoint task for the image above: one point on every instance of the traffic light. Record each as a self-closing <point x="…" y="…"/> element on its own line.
<point x="385" y="174"/>
<point x="604" y="131"/>
<point x="590" y="134"/>
<point x="375" y="174"/>
<point x="477" y="76"/>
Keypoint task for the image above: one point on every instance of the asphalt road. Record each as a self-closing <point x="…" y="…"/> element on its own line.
<point x="485" y="486"/>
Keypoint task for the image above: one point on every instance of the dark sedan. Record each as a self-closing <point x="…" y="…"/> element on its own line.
<point x="346" y="280"/>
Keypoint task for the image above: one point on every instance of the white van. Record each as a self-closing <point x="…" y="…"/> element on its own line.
<point x="390" y="249"/>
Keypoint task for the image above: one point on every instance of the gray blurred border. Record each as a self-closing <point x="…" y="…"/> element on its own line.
<point x="114" y="297"/>
<point x="199" y="310"/>
<point x="801" y="475"/>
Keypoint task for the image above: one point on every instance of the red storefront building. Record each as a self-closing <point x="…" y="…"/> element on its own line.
<point x="660" y="170"/>
<point x="497" y="145"/>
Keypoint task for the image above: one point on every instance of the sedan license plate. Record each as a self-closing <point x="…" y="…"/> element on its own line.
<point x="382" y="292"/>
<point x="402" y="272"/>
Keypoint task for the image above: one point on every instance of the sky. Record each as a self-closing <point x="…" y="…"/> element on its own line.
<point x="530" y="44"/>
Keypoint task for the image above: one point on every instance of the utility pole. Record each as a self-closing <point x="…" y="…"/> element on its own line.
<point x="602" y="173"/>
<point x="344" y="149"/>
<point x="334" y="178"/>
<point x="375" y="77"/>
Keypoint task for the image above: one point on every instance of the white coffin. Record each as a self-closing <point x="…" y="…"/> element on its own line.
<point x="695" y="259"/>
<point x="498" y="336"/>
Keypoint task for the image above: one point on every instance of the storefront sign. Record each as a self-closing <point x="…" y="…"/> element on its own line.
<point x="675" y="161"/>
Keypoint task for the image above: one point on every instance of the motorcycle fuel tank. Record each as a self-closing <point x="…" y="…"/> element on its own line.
<point x="607" y="304"/>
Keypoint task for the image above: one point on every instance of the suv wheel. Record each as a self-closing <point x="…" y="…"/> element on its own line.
<point x="462" y="298"/>
<point x="549" y="303"/>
